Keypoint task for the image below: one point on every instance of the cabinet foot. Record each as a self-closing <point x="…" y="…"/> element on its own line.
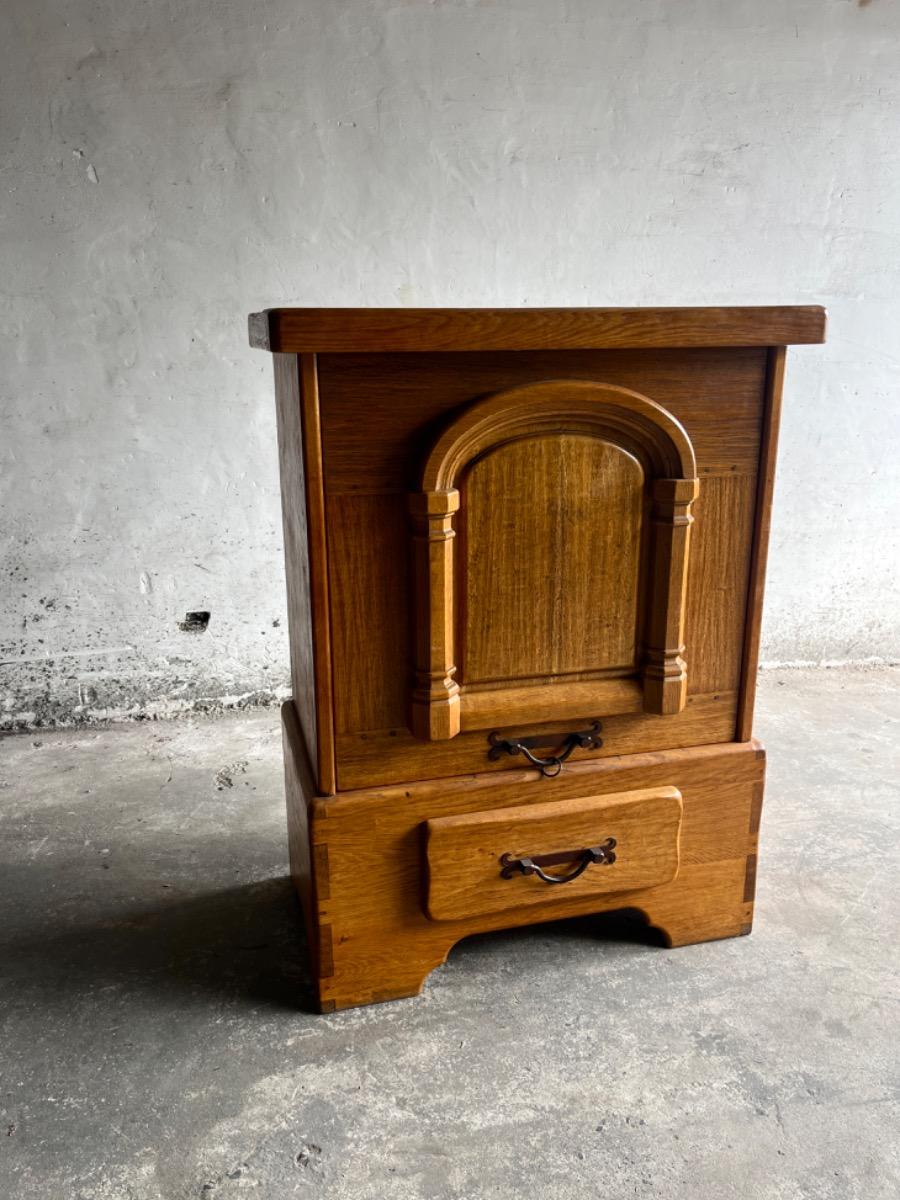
<point x="689" y="927"/>
<point x="398" y="972"/>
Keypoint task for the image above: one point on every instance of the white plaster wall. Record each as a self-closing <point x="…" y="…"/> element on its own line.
<point x="170" y="165"/>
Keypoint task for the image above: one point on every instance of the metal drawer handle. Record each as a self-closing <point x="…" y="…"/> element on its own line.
<point x="532" y="866"/>
<point x="584" y="739"/>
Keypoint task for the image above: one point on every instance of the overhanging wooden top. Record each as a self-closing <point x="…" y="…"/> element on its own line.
<point x="367" y="330"/>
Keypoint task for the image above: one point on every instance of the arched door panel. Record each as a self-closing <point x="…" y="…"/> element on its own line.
<point x="551" y="547"/>
<point x="536" y="553"/>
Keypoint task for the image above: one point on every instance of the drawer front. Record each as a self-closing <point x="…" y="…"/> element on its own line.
<point x="541" y="855"/>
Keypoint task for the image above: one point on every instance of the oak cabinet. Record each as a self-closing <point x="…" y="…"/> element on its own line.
<point x="525" y="552"/>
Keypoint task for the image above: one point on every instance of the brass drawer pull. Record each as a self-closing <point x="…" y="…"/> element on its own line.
<point x="584" y="739"/>
<point x="604" y="855"/>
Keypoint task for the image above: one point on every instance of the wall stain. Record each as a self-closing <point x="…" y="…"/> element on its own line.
<point x="194" y="622"/>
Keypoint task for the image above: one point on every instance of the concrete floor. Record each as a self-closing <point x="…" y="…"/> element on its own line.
<point x="155" y="1042"/>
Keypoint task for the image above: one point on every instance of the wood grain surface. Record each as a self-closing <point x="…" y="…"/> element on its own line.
<point x="295" y="524"/>
<point x="771" y="422"/>
<point x="550" y="551"/>
<point x="331" y="330"/>
<point x="383" y="412"/>
<point x="371" y="466"/>
<point x="369" y="872"/>
<point x="464" y="853"/>
<point x="574" y="503"/>
<point x="563" y="520"/>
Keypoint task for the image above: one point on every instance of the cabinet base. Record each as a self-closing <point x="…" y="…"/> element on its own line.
<point x="356" y="860"/>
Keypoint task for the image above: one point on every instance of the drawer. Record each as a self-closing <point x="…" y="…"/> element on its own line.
<point x="541" y="855"/>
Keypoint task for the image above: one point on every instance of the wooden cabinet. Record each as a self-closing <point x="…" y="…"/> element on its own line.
<point x="525" y="552"/>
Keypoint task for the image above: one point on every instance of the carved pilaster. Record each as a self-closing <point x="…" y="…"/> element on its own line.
<point x="435" y="708"/>
<point x="665" y="671"/>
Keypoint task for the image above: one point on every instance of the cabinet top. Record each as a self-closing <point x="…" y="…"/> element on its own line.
<point x="373" y="330"/>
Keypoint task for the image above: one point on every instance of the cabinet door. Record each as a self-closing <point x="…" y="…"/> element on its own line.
<point x="551" y="536"/>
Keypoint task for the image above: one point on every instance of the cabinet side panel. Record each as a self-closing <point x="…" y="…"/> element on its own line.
<point x="311" y="418"/>
<point x="296" y="553"/>
<point x="299" y="452"/>
<point x="771" y="420"/>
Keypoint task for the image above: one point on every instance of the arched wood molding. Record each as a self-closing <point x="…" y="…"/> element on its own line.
<point x="573" y="406"/>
